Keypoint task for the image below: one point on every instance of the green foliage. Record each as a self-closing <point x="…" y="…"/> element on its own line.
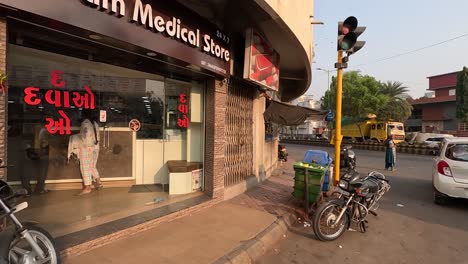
<point x="394" y="89"/>
<point x="364" y="95"/>
<point x="3" y="86"/>
<point x="398" y="107"/>
<point x="398" y="110"/>
<point x="462" y="95"/>
<point x="3" y="78"/>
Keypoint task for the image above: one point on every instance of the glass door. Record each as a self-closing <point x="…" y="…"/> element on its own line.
<point x="181" y="140"/>
<point x="184" y="135"/>
<point x="150" y="140"/>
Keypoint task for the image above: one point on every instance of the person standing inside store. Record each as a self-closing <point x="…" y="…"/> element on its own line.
<point x="390" y="153"/>
<point x="44" y="162"/>
<point x="89" y="152"/>
<point x="39" y="154"/>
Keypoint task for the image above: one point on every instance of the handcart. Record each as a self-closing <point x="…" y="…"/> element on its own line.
<point x="312" y="178"/>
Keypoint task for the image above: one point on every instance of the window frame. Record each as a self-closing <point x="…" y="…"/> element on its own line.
<point x="449" y="149"/>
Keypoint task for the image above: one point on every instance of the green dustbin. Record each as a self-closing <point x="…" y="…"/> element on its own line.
<point x="315" y="179"/>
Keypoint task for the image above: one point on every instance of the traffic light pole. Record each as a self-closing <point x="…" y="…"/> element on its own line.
<point x="348" y="32"/>
<point x="339" y="93"/>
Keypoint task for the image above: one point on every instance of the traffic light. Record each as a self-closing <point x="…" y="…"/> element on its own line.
<point x="348" y="32"/>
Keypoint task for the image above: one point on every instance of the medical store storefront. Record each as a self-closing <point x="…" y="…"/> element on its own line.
<point x="140" y="71"/>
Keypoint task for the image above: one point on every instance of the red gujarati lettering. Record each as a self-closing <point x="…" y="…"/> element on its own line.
<point x="30" y="96"/>
<point x="66" y="99"/>
<point x="56" y="79"/>
<point x="183" y="98"/>
<point x="53" y="97"/>
<point x="183" y="108"/>
<point x="86" y="100"/>
<point x="183" y="122"/>
<point x="62" y="125"/>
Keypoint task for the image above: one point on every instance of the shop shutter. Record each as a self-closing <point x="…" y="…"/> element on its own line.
<point x="239" y="132"/>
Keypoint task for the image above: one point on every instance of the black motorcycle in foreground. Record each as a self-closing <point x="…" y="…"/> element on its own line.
<point x="22" y="243"/>
<point x="358" y="196"/>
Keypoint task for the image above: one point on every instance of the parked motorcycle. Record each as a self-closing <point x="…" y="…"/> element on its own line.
<point x="22" y="242"/>
<point x="358" y="196"/>
<point x="347" y="158"/>
<point x="282" y="153"/>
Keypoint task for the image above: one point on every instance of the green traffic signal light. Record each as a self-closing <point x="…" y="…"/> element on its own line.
<point x="348" y="32"/>
<point x="348" y="41"/>
<point x="344" y="46"/>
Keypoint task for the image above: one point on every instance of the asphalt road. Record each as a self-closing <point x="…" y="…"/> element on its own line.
<point x="410" y="228"/>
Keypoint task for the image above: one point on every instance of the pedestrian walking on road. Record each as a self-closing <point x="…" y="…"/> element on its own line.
<point x="390" y="153"/>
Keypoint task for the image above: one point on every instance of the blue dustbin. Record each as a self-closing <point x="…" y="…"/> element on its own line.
<point x="323" y="159"/>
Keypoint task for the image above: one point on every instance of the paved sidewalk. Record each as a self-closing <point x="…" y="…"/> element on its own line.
<point x="206" y="236"/>
<point x="274" y="195"/>
<point x="201" y="238"/>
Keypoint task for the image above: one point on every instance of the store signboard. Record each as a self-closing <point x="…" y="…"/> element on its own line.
<point x="261" y="64"/>
<point x="164" y="27"/>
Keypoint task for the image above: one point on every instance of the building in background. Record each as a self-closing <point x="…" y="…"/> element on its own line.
<point x="166" y="81"/>
<point x="311" y="128"/>
<point x="436" y="111"/>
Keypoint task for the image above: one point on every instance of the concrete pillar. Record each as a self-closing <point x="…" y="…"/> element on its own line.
<point x="3" y="96"/>
<point x="215" y="113"/>
<point x="259" y="137"/>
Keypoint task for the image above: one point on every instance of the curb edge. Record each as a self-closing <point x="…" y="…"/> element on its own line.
<point x="251" y="250"/>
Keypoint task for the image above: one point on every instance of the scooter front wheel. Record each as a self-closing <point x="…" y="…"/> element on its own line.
<point x="21" y="251"/>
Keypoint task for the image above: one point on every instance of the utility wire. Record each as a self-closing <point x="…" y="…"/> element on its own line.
<point x="411" y="51"/>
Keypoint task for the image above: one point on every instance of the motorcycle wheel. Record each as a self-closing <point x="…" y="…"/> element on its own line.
<point x="323" y="220"/>
<point x="22" y="252"/>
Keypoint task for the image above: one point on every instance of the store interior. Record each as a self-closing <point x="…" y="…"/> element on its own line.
<point x="134" y="165"/>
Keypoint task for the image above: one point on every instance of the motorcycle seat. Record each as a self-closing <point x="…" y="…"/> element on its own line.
<point x="372" y="185"/>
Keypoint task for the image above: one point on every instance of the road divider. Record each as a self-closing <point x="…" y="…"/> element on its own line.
<point x="418" y="149"/>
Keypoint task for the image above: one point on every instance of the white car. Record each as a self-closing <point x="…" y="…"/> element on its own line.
<point x="433" y="141"/>
<point x="450" y="170"/>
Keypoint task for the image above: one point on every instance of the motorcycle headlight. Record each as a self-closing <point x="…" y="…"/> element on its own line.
<point x="343" y="184"/>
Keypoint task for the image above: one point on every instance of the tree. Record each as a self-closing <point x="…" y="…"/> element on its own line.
<point x="398" y="110"/>
<point x="361" y="97"/>
<point x="394" y="90"/>
<point x="462" y="95"/>
<point x="398" y="106"/>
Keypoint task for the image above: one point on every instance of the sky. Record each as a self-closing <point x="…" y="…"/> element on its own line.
<point x="393" y="27"/>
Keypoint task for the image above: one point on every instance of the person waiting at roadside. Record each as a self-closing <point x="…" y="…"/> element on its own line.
<point x="390" y="153"/>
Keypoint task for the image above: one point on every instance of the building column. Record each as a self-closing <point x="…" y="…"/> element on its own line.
<point x="259" y="136"/>
<point x="3" y="95"/>
<point x="215" y="113"/>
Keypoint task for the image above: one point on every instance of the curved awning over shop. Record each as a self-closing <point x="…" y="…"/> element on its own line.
<point x="290" y="115"/>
